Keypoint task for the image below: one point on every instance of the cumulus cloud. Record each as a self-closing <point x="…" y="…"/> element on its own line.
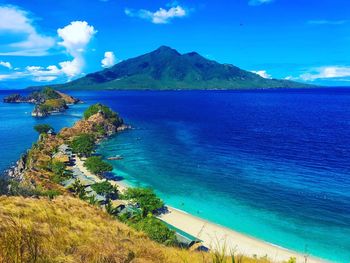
<point x="263" y="74"/>
<point x="259" y="2"/>
<point x="161" y="16"/>
<point x="327" y="72"/>
<point x="76" y="36"/>
<point x="6" y="64"/>
<point x="108" y="60"/>
<point x="36" y="73"/>
<point x="17" y="22"/>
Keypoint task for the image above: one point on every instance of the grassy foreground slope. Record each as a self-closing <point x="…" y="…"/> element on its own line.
<point x="67" y="229"/>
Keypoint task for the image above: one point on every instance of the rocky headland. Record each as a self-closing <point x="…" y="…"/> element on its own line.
<point x="46" y="102"/>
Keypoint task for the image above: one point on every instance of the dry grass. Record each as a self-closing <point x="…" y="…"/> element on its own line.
<point x="69" y="230"/>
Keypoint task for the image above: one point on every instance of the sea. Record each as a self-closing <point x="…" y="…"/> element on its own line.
<point x="272" y="164"/>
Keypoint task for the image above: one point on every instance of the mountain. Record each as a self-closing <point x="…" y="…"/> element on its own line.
<point x="166" y="69"/>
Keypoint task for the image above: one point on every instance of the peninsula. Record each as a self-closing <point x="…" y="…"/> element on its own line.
<point x="63" y="168"/>
<point x="47" y="101"/>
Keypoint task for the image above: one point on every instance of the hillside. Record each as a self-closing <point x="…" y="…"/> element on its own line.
<point x="167" y="69"/>
<point x="67" y="229"/>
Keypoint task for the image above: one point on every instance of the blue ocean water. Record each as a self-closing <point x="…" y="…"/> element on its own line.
<point x="271" y="164"/>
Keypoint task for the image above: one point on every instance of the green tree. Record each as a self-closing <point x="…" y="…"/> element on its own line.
<point x="156" y="230"/>
<point x="106" y="188"/>
<point x="42" y="128"/>
<point x="95" y="165"/>
<point x="108" y="112"/>
<point x="59" y="169"/>
<point x="83" y="144"/>
<point x="146" y="198"/>
<point x="78" y="189"/>
<point x="50" y="93"/>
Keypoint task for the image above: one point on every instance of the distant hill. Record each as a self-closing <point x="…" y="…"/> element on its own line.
<point x="167" y="69"/>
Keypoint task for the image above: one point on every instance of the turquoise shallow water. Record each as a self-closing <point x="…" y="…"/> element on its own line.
<point x="274" y="165"/>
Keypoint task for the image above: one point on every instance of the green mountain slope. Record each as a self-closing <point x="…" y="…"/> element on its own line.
<point x="165" y="69"/>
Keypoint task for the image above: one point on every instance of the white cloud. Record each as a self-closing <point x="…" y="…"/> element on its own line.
<point x="15" y="21"/>
<point x="36" y="73"/>
<point x="76" y="36"/>
<point x="259" y="2"/>
<point x="161" y="16"/>
<point x="327" y="22"/>
<point x="43" y="74"/>
<point x="108" y="60"/>
<point x="263" y="74"/>
<point x="327" y="72"/>
<point x="6" y="64"/>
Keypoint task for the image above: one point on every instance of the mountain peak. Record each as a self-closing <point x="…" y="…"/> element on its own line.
<point x="165" y="68"/>
<point x="165" y="49"/>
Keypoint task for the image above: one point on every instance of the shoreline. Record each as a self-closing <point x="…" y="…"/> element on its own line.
<point x="215" y="236"/>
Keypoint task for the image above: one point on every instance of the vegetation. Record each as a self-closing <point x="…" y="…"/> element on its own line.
<point x="97" y="166"/>
<point x="105" y="188"/>
<point x="112" y="116"/>
<point x="165" y="69"/>
<point x="69" y="230"/>
<point x="50" y="93"/>
<point x="155" y="230"/>
<point x="83" y="144"/>
<point x="3" y="186"/>
<point x="42" y="128"/>
<point x="78" y="189"/>
<point x="55" y="104"/>
<point x="145" y="198"/>
<point x="60" y="172"/>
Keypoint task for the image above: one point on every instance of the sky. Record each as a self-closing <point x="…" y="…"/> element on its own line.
<point x="55" y="41"/>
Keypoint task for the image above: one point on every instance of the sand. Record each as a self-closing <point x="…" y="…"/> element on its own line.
<point x="214" y="236"/>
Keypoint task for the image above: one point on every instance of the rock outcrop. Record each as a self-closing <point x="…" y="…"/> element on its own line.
<point x="17" y="171"/>
<point x="46" y="101"/>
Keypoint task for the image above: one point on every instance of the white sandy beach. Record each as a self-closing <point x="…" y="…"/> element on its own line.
<point x="215" y="236"/>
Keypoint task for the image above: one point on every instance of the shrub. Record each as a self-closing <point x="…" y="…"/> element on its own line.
<point x="146" y="198"/>
<point x="156" y="230"/>
<point x="3" y="186"/>
<point x="78" y="189"/>
<point x="106" y="188"/>
<point x="59" y="170"/>
<point x="110" y="114"/>
<point x="95" y="165"/>
<point x="55" y="103"/>
<point x="42" y="128"/>
<point x="83" y="144"/>
<point x="50" y="93"/>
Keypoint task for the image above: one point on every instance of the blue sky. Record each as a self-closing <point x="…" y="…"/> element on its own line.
<point x="50" y="41"/>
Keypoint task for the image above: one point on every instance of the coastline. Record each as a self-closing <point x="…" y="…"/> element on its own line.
<point x="214" y="236"/>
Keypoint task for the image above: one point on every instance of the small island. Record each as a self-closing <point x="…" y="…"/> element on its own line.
<point x="47" y="101"/>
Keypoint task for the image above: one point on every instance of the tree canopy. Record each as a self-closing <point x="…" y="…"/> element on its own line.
<point x="83" y="144"/>
<point x="97" y="166"/>
<point x="42" y="128"/>
<point x="156" y="230"/>
<point x="149" y="202"/>
<point x="105" y="188"/>
<point x="108" y="112"/>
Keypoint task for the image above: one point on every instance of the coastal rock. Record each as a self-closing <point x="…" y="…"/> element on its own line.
<point x="37" y="112"/>
<point x="17" y="171"/>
